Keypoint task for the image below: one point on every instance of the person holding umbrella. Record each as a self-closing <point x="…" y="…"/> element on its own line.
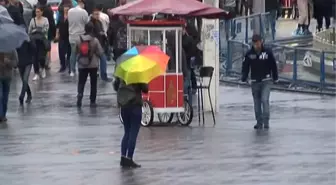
<point x="135" y="69"/>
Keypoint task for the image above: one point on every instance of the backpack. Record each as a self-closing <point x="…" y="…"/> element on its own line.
<point x="84" y="49"/>
<point x="126" y="94"/>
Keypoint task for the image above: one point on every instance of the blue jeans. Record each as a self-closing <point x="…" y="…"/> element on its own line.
<point x="272" y="21"/>
<point x="24" y="74"/>
<point x="73" y="58"/>
<point x="103" y="67"/>
<point x="4" y="93"/>
<point x="261" y="93"/>
<point x="131" y="116"/>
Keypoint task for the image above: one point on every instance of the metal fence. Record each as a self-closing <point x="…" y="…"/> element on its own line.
<point x="298" y="66"/>
<point x="238" y="31"/>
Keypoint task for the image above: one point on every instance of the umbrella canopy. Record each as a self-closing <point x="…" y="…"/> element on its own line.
<point x="141" y="64"/>
<point x="175" y="7"/>
<point x="11" y="35"/>
<point x="4" y="16"/>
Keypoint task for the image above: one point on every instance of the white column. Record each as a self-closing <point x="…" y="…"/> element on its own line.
<point x="258" y="6"/>
<point x="210" y="40"/>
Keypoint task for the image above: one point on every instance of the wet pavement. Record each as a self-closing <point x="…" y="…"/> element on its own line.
<point x="51" y="142"/>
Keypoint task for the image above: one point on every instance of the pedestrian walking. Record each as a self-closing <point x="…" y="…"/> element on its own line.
<point x="77" y="18"/>
<point x="89" y="52"/>
<point x="100" y="34"/>
<point x="49" y="14"/>
<point x="105" y="20"/>
<point x="323" y="9"/>
<point x="38" y="31"/>
<point x="261" y="62"/>
<point x="25" y="64"/>
<point x="7" y="63"/>
<point x="303" y="21"/>
<point x="60" y="11"/>
<point x="120" y="38"/>
<point x="129" y="99"/>
<point x="272" y="7"/>
<point x="62" y="36"/>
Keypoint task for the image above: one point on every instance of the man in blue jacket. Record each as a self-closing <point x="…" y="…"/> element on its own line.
<point x="261" y="62"/>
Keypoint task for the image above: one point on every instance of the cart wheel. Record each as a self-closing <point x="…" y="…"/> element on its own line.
<point x="147" y="114"/>
<point x="165" y="117"/>
<point x="186" y="117"/>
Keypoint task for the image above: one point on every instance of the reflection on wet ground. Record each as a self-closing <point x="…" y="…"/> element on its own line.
<point x="51" y="142"/>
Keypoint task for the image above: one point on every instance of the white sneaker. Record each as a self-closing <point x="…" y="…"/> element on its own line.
<point x="72" y="74"/>
<point x="36" y="77"/>
<point x="43" y="73"/>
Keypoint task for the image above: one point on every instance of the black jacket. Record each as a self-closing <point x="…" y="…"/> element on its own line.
<point x="25" y="54"/>
<point x="272" y="5"/>
<point x="16" y="13"/>
<point x="49" y="14"/>
<point x="262" y="66"/>
<point x="323" y="8"/>
<point x="139" y="89"/>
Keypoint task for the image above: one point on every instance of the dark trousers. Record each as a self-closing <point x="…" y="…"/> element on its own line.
<point x="64" y="53"/>
<point x="40" y="57"/>
<point x="103" y="67"/>
<point x="82" y="77"/>
<point x="261" y="93"/>
<point x="319" y="20"/>
<point x="24" y="75"/>
<point x="131" y="117"/>
<point x="4" y="93"/>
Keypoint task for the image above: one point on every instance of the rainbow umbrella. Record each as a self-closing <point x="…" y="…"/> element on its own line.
<point x="141" y="64"/>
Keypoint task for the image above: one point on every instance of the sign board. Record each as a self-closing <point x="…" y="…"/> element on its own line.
<point x="307" y="60"/>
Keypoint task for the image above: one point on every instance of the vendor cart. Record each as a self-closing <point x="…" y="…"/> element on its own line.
<point x="166" y="96"/>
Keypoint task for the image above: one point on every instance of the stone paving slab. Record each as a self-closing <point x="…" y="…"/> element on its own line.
<point x="51" y="142"/>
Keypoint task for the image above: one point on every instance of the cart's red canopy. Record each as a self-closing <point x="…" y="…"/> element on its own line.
<point x="175" y="7"/>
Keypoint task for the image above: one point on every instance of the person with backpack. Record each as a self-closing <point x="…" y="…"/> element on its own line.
<point x="129" y="99"/>
<point x="89" y="51"/>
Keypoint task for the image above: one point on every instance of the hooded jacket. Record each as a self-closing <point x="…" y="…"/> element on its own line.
<point x="7" y="62"/>
<point x="96" y="51"/>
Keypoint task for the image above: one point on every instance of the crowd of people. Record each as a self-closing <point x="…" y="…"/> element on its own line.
<point x="85" y="39"/>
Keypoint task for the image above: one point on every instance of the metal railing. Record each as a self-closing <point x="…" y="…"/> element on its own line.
<point x="299" y="67"/>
